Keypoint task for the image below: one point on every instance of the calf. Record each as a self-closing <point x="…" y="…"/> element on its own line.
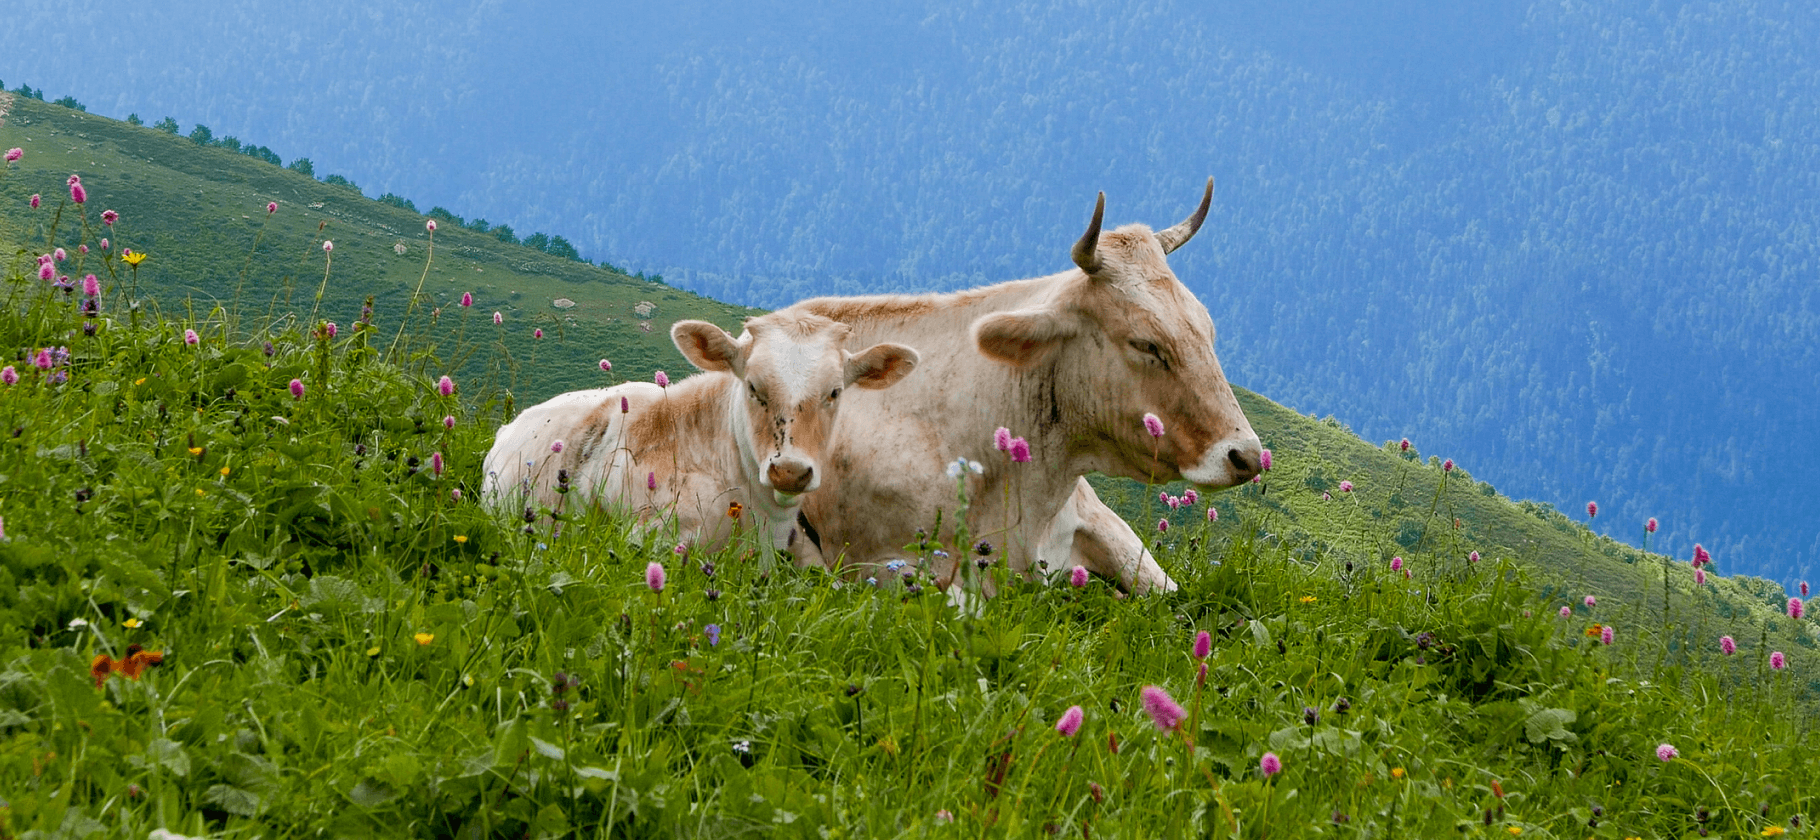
<point x="734" y="446"/>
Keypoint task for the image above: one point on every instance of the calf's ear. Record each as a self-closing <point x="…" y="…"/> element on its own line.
<point x="1022" y="337"/>
<point x="880" y="366"/>
<point x="709" y="347"/>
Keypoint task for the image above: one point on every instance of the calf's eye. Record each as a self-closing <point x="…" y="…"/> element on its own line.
<point x="834" y="395"/>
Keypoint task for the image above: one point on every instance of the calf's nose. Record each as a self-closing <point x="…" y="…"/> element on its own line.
<point x="790" y="475"/>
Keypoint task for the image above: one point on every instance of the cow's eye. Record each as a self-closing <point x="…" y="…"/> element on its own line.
<point x="753" y="390"/>
<point x="1150" y="348"/>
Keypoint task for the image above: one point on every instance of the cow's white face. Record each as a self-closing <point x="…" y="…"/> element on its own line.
<point x="1133" y="340"/>
<point x="793" y="371"/>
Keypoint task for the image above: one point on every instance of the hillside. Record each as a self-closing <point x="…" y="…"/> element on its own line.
<point x="199" y="211"/>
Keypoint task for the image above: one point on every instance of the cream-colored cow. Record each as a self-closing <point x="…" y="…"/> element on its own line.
<point x="1072" y="362"/>
<point x="751" y="431"/>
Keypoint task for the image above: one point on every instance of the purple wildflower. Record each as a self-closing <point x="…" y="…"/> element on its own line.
<point x="1077" y="577"/>
<point x="1264" y="460"/>
<point x="297" y="388"/>
<point x="662" y="379"/>
<point x="1396" y="564"/>
<point x="1650" y="526"/>
<point x="271" y="207"/>
<point x="78" y="194"/>
<point x="651" y="481"/>
<point x="713" y="633"/>
<point x="1203" y="644"/>
<point x="1270" y="765"/>
<point x="1777" y="661"/>
<point x="1070" y="722"/>
<point x="1592" y="509"/>
<point x="1606" y="634"/>
<point x="1162" y="526"/>
<point x="1020" y="450"/>
<point x="625" y="405"/>
<point x="9" y="376"/>
<point x="1190" y="496"/>
<point x="1405" y="444"/>
<point x="1667" y="752"/>
<point x="1700" y="577"/>
<point x="605" y="366"/>
<point x="448" y="422"/>
<point x="14" y="154"/>
<point x="109" y="217"/>
<point x="467" y="299"/>
<point x="1727" y="646"/>
<point x="430" y="225"/>
<point x="556" y="446"/>
<point x="1473" y="557"/>
<point x="1001" y="439"/>
<point x="1567" y="612"/>
<point x="1591" y="602"/>
<point x="36" y="200"/>
<point x="1153" y="425"/>
<point x="1163" y="710"/>
<point x="1794" y="608"/>
<point x="1447" y="465"/>
<point x="436" y="463"/>
<point x="1345" y="487"/>
<point x="91" y="286"/>
<point x="445" y="385"/>
<point x="498" y="319"/>
<point x="1213" y="514"/>
<point x="190" y="337"/>
<point x="654" y="576"/>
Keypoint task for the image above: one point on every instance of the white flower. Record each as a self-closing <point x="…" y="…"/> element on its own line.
<point x="962" y="464"/>
<point x="78" y="623"/>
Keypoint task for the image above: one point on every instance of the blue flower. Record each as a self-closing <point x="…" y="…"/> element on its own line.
<point x="713" y="631"/>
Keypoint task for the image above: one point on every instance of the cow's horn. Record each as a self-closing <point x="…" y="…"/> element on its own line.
<point x="1179" y="235"/>
<point x="1086" y="251"/>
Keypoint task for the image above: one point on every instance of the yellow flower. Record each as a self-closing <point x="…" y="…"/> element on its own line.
<point x="461" y="538"/>
<point x="132" y="623"/>
<point x="224" y="472"/>
<point x="199" y="492"/>
<point x="1514" y="830"/>
<point x="139" y="381"/>
<point x="132" y="258"/>
<point x="1774" y="831"/>
<point x="195" y="450"/>
<point x="1396" y="772"/>
<point x="373" y="651"/>
<point x="1308" y="599"/>
<point x="424" y="639"/>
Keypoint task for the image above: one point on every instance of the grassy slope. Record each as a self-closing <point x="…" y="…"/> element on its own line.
<point x="198" y="210"/>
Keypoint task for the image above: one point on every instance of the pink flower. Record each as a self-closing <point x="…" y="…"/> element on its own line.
<point x="448" y="422"/>
<point x="1270" y="765"/>
<point x="1190" y="496"/>
<point x="1591" y="602"/>
<point x="1592" y="509"/>
<point x="1153" y="425"/>
<point x="1163" y="710"/>
<point x="36" y="200"/>
<point x="445" y="385"/>
<point x="537" y="333"/>
<point x="1162" y="526"/>
<point x="43" y="360"/>
<point x="1667" y="752"/>
<point x="73" y="180"/>
<point x="651" y="481"/>
<point x="1650" y="526"/>
<point x="1163" y="496"/>
<point x="681" y="550"/>
<point x="1567" y="612"/>
<point x="625" y="405"/>
<point x="1777" y="661"/>
<point x="430" y="225"/>
<point x="14" y="154"/>
<point x="1700" y="577"/>
<point x="78" y="194"/>
<point x="60" y="255"/>
<point x="654" y="576"/>
<point x="9" y="376"/>
<point x="1213" y="514"/>
<point x="455" y="494"/>
<point x="1473" y="557"/>
<point x="1804" y="589"/>
<point x="1396" y="564"/>
<point x="556" y="446"/>
<point x="1606" y="634"/>
<point x="1701" y="556"/>
<point x="1001" y="439"/>
<point x="1070" y="722"/>
<point x="1345" y="487"/>
<point x="104" y="243"/>
<point x="1264" y="460"/>
<point x="1200" y="676"/>
<point x="1447" y="465"/>
<point x="1203" y="644"/>
<point x="1020" y="450"/>
<point x="605" y="365"/>
<point x="327" y="246"/>
<point x="467" y="299"/>
<point x="436" y="462"/>
<point x="82" y="248"/>
<point x="91" y="286"/>
<point x="271" y="207"/>
<point x="109" y="217"/>
<point x="1326" y="497"/>
<point x="329" y="329"/>
<point x="1794" y="608"/>
<point x="190" y="337"/>
<point x="1077" y="577"/>
<point x="662" y="379"/>
<point x="297" y="388"/>
<point x="1405" y="444"/>
<point x="1727" y="645"/>
<point x="498" y="319"/>
<point x="46" y="271"/>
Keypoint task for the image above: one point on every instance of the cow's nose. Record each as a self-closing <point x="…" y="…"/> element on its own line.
<point x="1246" y="458"/>
<point x="790" y="475"/>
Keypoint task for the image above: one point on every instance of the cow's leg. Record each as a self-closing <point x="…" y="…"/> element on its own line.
<point x="1089" y="534"/>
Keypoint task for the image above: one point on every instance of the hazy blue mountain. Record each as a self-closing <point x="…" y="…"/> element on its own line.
<point x="1570" y="245"/>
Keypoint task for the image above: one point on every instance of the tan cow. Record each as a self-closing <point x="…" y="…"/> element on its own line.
<point x="747" y="436"/>
<point x="1073" y="363"/>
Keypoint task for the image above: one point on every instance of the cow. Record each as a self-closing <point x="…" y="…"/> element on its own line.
<point x="1074" y="362"/>
<point x="735" y="446"/>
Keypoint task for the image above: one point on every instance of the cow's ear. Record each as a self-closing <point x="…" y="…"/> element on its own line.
<point x="880" y="366"/>
<point x="1023" y="337"/>
<point x="709" y="347"/>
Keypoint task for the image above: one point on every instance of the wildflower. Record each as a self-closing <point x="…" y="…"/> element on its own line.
<point x="77" y="193"/>
<point x="1165" y="498"/>
<point x="1650" y="526"/>
<point x="329" y="329"/>
<point x="1077" y="577"/>
<point x="1514" y="830"/>
<point x="132" y="624"/>
<point x="625" y="405"/>
<point x="713" y="632"/>
<point x="132" y="258"/>
<point x="1163" y="710"/>
<point x="9" y="376"/>
<point x="445" y="385"/>
<point x="1605" y="635"/>
<point x="1699" y="577"/>
<point x="46" y="271"/>
<point x="1396" y="564"/>
<point x="59" y="255"/>
<point x="1728" y="646"/>
<point x="14" y="154"/>
<point x="461" y="539"/>
<point x="1777" y="661"/>
<point x="1190" y="497"/>
<point x="1592" y="509"/>
<point x="605" y="366"/>
<point x="448" y="422"/>
<point x="735" y="510"/>
<point x="1794" y="608"/>
<point x="1203" y="644"/>
<point x="91" y="286"/>
<point x="1162" y="526"/>
<point x="297" y="389"/>
<point x="1001" y="439"/>
<point x="1308" y="599"/>
<point x="1070" y="722"/>
<point x="1405" y="445"/>
<point x="651" y="481"/>
<point x="271" y="207"/>
<point x="944" y="816"/>
<point x="498" y="319"/>
<point x="423" y="638"/>
<point x="1774" y="831"/>
<point x="1591" y="602"/>
<point x="455" y="494"/>
<point x="35" y="201"/>
<point x="327" y="246"/>
<point x="1020" y="450"/>
<point x="1804" y="589"/>
<point x="1326" y="497"/>
<point x="1473" y="557"/>
<point x="104" y="244"/>
<point x="430" y="225"/>
<point x="1213" y="514"/>
<point x="662" y="379"/>
<point x="1396" y="772"/>
<point x="1153" y="425"/>
<point x="109" y="217"/>
<point x="436" y="463"/>
<point x="1311" y="715"/>
<point x="1264" y="460"/>
<point x="1701" y="556"/>
<point x="654" y="576"/>
<point x="537" y="333"/>
<point x="962" y="465"/>
<point x="1667" y="752"/>
<point x="1270" y="765"/>
<point x="1345" y="487"/>
<point x="1447" y="465"/>
<point x="681" y="550"/>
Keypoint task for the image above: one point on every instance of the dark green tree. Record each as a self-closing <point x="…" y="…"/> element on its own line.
<point x="441" y="213"/>
<point x="504" y="234"/>
<point x="397" y="201"/>
<point x="338" y="181"/>
<point x="478" y="226"/>
<point x="201" y="135"/>
<point x="304" y="166"/>
<point x="560" y="247"/>
<point x="540" y="241"/>
<point x="229" y="142"/>
<point x="167" y="125"/>
<point x="133" y="119"/>
<point x="70" y="102"/>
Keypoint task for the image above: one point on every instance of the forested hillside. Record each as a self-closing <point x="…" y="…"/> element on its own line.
<point x="1571" y="245"/>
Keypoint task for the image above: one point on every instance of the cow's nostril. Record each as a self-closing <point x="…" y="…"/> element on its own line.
<point x="808" y="474"/>
<point x="1239" y="462"/>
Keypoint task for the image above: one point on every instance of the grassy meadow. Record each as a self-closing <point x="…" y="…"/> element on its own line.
<point x="246" y="589"/>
